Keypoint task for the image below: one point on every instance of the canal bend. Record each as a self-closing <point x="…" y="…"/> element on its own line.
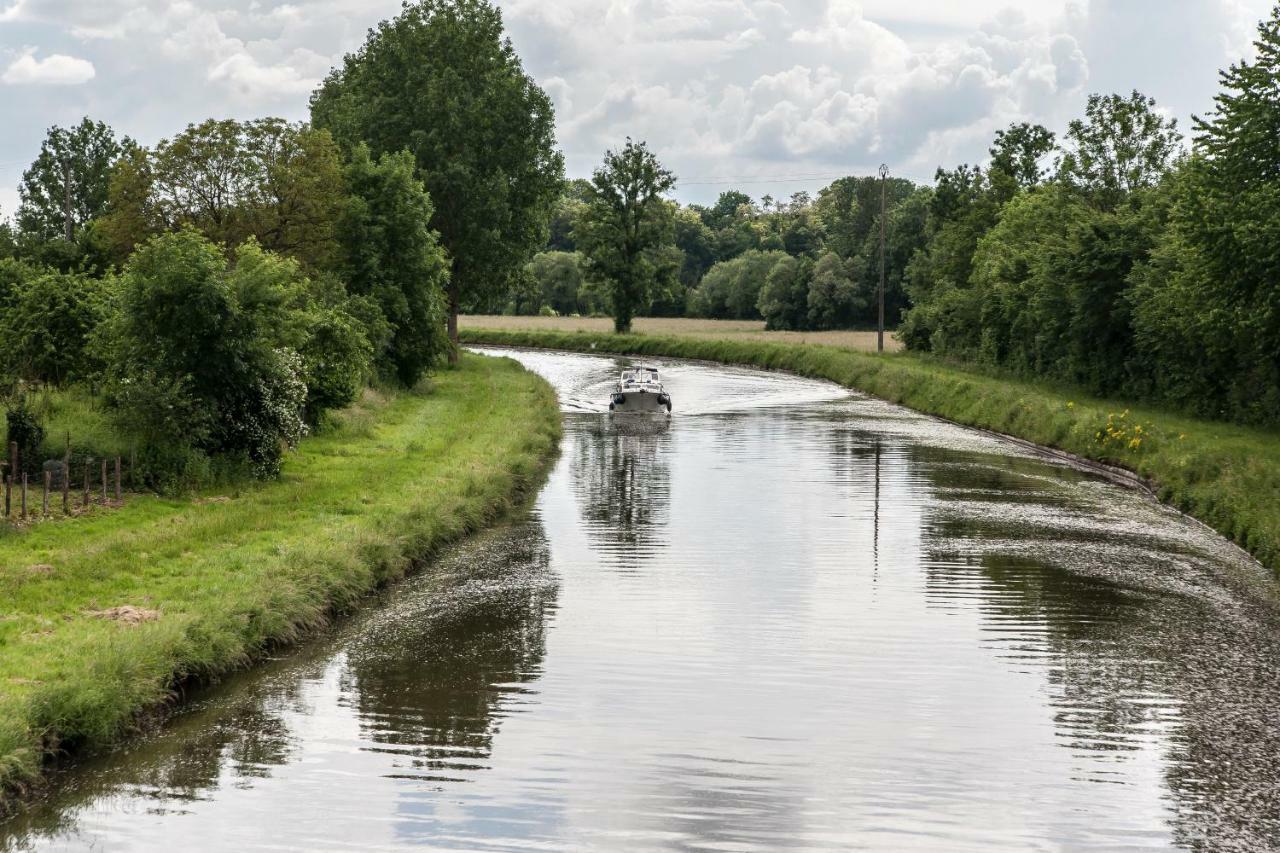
<point x="791" y="617"/>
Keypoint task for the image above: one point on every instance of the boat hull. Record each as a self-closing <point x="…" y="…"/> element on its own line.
<point x="640" y="403"/>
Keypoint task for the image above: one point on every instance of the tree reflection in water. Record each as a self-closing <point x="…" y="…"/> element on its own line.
<point x="431" y="690"/>
<point x="1142" y="637"/>
<point x="429" y="674"/>
<point x="621" y="472"/>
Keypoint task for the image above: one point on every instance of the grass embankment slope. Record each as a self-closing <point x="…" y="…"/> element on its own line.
<point x="396" y="478"/>
<point x="1227" y="476"/>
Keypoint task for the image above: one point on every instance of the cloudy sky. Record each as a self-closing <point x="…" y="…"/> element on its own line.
<point x="768" y="96"/>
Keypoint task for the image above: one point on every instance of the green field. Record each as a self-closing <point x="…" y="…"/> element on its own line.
<point x="106" y="613"/>
<point x="1227" y="476"/>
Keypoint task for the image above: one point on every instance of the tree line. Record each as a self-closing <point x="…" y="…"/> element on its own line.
<point x="1118" y="259"/>
<point x="798" y="264"/>
<point x="221" y="291"/>
<point x="1136" y="267"/>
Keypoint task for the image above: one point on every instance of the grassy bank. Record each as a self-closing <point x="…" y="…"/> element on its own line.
<point x="684" y="327"/>
<point x="1227" y="476"/>
<point x="103" y="615"/>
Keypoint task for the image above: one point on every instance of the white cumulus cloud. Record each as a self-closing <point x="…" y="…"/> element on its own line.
<point x="54" y="70"/>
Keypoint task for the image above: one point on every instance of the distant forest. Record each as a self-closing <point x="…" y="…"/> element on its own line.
<point x="314" y="257"/>
<point x="1117" y="258"/>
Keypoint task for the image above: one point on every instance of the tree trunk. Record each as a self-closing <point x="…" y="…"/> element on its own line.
<point x="453" y="322"/>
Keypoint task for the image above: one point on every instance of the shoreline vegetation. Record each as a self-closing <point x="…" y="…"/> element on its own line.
<point x="109" y="614"/>
<point x="1224" y="475"/>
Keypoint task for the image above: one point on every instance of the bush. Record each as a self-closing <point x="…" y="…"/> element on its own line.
<point x="336" y="358"/>
<point x="394" y="258"/>
<point x="557" y="284"/>
<point x="193" y="358"/>
<point x="731" y="289"/>
<point x="46" y="326"/>
<point x="26" y="429"/>
<point x="834" y="299"/>
<point x="784" y="300"/>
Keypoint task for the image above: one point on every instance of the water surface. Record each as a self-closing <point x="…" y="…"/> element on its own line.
<point x="789" y="618"/>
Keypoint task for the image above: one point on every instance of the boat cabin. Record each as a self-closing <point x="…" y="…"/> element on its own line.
<point x="639" y="376"/>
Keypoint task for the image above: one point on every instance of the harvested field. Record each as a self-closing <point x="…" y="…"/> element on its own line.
<point x="716" y="330"/>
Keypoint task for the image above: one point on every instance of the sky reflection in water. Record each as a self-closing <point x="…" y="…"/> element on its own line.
<point x="789" y="618"/>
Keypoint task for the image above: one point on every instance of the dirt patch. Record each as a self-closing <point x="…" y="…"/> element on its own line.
<point x="39" y="570"/>
<point x="216" y="499"/>
<point x="128" y="614"/>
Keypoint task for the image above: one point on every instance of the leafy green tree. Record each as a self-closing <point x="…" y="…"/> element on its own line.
<point x="558" y="279"/>
<point x="442" y="81"/>
<point x="1207" y="308"/>
<point x="834" y="297"/>
<point x="784" y="299"/>
<point x="848" y="209"/>
<point x="802" y="233"/>
<point x="1121" y="145"/>
<point x="14" y="273"/>
<point x="313" y="318"/>
<point x="8" y="241"/>
<point x="1051" y="281"/>
<point x="964" y="206"/>
<point x="731" y="289"/>
<point x="279" y="183"/>
<point x="727" y="210"/>
<point x="626" y="227"/>
<point x="67" y="185"/>
<point x="567" y="210"/>
<point x="391" y="255"/>
<point x="905" y="235"/>
<point x="46" y="323"/>
<point x="1019" y="150"/>
<point x="696" y="241"/>
<point x="192" y="363"/>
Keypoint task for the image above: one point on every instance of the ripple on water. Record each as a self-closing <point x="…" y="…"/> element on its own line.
<point x="787" y="617"/>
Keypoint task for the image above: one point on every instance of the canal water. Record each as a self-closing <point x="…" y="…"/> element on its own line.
<point x="791" y="617"/>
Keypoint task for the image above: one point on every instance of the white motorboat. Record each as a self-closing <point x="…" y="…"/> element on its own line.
<point x="639" y="391"/>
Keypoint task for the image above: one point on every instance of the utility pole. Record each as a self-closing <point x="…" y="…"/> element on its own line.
<point x="66" y="197"/>
<point x="884" y="180"/>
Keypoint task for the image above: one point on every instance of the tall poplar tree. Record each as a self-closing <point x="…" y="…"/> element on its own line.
<point x="442" y="81"/>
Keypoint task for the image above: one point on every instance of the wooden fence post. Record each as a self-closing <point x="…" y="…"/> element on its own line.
<point x="66" y="477"/>
<point x="104" y="482"/>
<point x="85" y="502"/>
<point x="24" y="494"/>
<point x="8" y="488"/>
<point x="48" y="479"/>
<point x="117" y="479"/>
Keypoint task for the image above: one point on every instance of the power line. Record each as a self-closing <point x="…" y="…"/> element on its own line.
<point x="761" y="179"/>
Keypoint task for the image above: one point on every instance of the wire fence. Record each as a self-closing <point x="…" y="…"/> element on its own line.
<point x="99" y="483"/>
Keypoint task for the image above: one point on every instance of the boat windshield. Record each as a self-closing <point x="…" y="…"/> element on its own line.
<point x="630" y="377"/>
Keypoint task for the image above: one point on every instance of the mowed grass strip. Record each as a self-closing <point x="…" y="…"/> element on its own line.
<point x="1227" y="476"/>
<point x="104" y="615"/>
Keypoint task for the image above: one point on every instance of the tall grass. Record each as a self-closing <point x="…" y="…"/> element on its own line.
<point x="388" y="483"/>
<point x="1225" y="475"/>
